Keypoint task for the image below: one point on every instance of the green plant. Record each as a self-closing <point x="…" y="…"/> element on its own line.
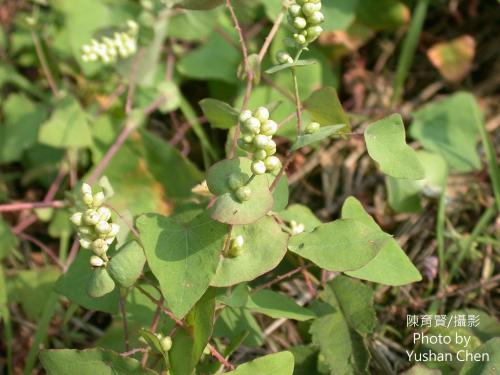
<point x="184" y="278"/>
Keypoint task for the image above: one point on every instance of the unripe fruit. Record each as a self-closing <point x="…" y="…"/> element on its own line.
<point x="300" y="39"/>
<point x="243" y="193"/>
<point x="98" y="199"/>
<point x="238" y="241"/>
<point x="248" y="139"/>
<point x="308" y="9"/>
<point x="234" y="182"/>
<point x="115" y="228"/>
<point x="85" y="243"/>
<point x="96" y="261"/>
<point x="271" y="147"/>
<point x="252" y="125"/>
<point x="262" y="114"/>
<point x="76" y="218"/>
<point x="84" y="230"/>
<point x="99" y="247"/>
<point x="313" y="127"/>
<point x="261" y="141"/>
<point x="86" y="189"/>
<point x="166" y="343"/>
<point x="91" y="217"/>
<point x="272" y="163"/>
<point x="103" y="227"/>
<point x="235" y="251"/>
<point x="260" y="155"/>
<point x="316" y="18"/>
<point x="88" y="199"/>
<point x="269" y="128"/>
<point x="104" y="213"/>
<point x="294" y="10"/>
<point x="258" y="167"/>
<point x="299" y="23"/>
<point x="313" y="32"/>
<point x="245" y="115"/>
<point x="301" y="2"/>
<point x="284" y="57"/>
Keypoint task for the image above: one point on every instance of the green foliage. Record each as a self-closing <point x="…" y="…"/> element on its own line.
<point x="341" y="331"/>
<point x="67" y="126"/>
<point x="182" y="256"/>
<point x="278" y="363"/>
<point x="8" y="241"/>
<point x="228" y="208"/>
<point x="450" y="128"/>
<point x="490" y="347"/>
<point x="323" y="133"/>
<point x="385" y="141"/>
<point x="390" y="266"/>
<point x="82" y="362"/>
<point x="341" y="245"/>
<point x="126" y="266"/>
<point x="324" y="107"/>
<point x="219" y="114"/>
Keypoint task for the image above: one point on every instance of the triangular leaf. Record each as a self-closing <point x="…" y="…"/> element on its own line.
<point x="219" y="114"/>
<point x="277" y="364"/>
<point x="323" y="133"/>
<point x="324" y="107"/>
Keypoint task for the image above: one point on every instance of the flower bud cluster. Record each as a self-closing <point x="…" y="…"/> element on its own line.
<point x="236" y="246"/>
<point x="312" y="128"/>
<point x="165" y="342"/>
<point x="296" y="228"/>
<point x="95" y="230"/>
<point x="108" y="50"/>
<point x="284" y="57"/>
<point x="305" y="17"/>
<point x="257" y="131"/>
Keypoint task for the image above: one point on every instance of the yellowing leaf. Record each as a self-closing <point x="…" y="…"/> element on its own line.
<point x="453" y="59"/>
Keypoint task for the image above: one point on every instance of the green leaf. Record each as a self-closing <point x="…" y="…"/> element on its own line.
<point x="306" y="359"/>
<point x="67" y="126"/>
<point x="341" y="245"/>
<point x="219" y="114"/>
<point x="301" y="215"/>
<point x="324" y="132"/>
<point x="90" y="361"/>
<point x="339" y="333"/>
<point x="126" y="266"/>
<point x="213" y="60"/>
<point x="100" y="283"/>
<point x="298" y="63"/>
<point x="449" y="127"/>
<point x="31" y="288"/>
<point x="19" y="130"/>
<point x="489" y="350"/>
<point x="234" y="322"/>
<point x="190" y="341"/>
<point x="8" y="241"/>
<point x="385" y="140"/>
<point x="391" y="266"/>
<point x="281" y="192"/>
<point x="199" y="4"/>
<point x="192" y="25"/>
<point x="404" y="195"/>
<point x="421" y="370"/>
<point x="383" y="14"/>
<point x="182" y="256"/>
<point x="274" y="305"/>
<point x="324" y="107"/>
<point x="265" y="246"/>
<point x="228" y="208"/>
<point x="277" y="364"/>
<point x="73" y="285"/>
<point x="171" y="93"/>
<point x="339" y="14"/>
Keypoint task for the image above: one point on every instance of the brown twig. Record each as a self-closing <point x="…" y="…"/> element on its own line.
<point x="47" y="250"/>
<point x="282" y="277"/>
<point x="153" y="327"/>
<point x="133" y="351"/>
<point x="270" y="36"/>
<point x="9" y="207"/>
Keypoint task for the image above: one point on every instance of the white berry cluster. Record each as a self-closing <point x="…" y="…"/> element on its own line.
<point x="296" y="228"/>
<point x="108" y="50"/>
<point x="236" y="246"/>
<point x="95" y="230"/>
<point x="305" y="17"/>
<point x="257" y="131"/>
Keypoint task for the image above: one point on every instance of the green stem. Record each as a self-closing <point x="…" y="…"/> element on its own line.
<point x="484" y="220"/>
<point x="41" y="332"/>
<point x="297" y="101"/>
<point x="5" y="317"/>
<point x="409" y="47"/>
<point x="493" y="167"/>
<point x="440" y="223"/>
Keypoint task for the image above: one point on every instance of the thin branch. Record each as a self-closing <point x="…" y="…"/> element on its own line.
<point x="43" y="63"/>
<point x="237" y="26"/>
<point x="282" y="277"/>
<point x="133" y="79"/>
<point x="271" y="36"/>
<point x="153" y="327"/>
<point x="47" y="250"/>
<point x="133" y="351"/>
<point x="9" y="207"/>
